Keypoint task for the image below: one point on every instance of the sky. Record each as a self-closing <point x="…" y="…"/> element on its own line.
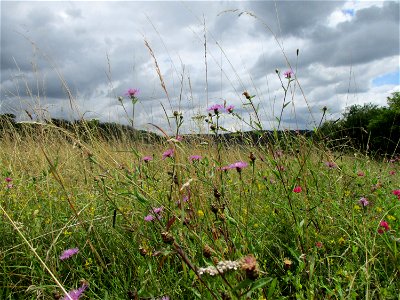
<point x="73" y="59"/>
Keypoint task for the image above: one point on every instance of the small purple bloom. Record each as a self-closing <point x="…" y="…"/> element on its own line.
<point x="239" y="165"/>
<point x="149" y="218"/>
<point x="216" y="108"/>
<point x="132" y="93"/>
<point x="179" y="138"/>
<point x="157" y="210"/>
<point x="68" y="253"/>
<point x="168" y="153"/>
<point x="363" y="201"/>
<point x="147" y="158"/>
<point x="75" y="294"/>
<point x="10" y="186"/>
<point x="8" y="179"/>
<point x="331" y="164"/>
<point x="230" y="108"/>
<point x="288" y="74"/>
<point x="195" y="158"/>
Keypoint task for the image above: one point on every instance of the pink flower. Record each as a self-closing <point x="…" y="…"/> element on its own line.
<point x="318" y="244"/>
<point x="392" y="172"/>
<point x="288" y="74"/>
<point x="195" y="158"/>
<point x="8" y="179"/>
<point x="168" y="153"/>
<point x="149" y="218"/>
<point x="363" y="201"/>
<point x="297" y="189"/>
<point x="157" y="210"/>
<point x="68" y="253"/>
<point x="396" y="192"/>
<point x="230" y="108"/>
<point x="10" y="186"/>
<point x="132" y="93"/>
<point x="238" y="165"/>
<point x="179" y="138"/>
<point x="384" y="225"/>
<point x="75" y="294"/>
<point x="360" y="173"/>
<point x="147" y="158"/>
<point x="216" y="108"/>
<point x="331" y="164"/>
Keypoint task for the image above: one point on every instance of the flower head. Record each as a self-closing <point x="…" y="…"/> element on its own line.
<point x="360" y="173"/>
<point x="157" y="210"/>
<point x="238" y="165"/>
<point x="363" y="201"/>
<point x="149" y="218"/>
<point x="297" y="189"/>
<point x="384" y="227"/>
<point x="396" y="192"/>
<point x="132" y="93"/>
<point x="75" y="294"/>
<point x="318" y="244"/>
<point x="8" y="179"/>
<point x="288" y="74"/>
<point x="147" y="159"/>
<point x="68" y="253"/>
<point x="168" y="153"/>
<point x="195" y="158"/>
<point x="392" y="172"/>
<point x="331" y="164"/>
<point x="230" y="108"/>
<point x="216" y="108"/>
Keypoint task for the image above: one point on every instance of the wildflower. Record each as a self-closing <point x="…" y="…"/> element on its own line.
<point x="239" y="165"/>
<point x="195" y="158"/>
<point x="360" y="174"/>
<point x="250" y="266"/>
<point x="230" y="108"/>
<point x="216" y="108"/>
<point x="200" y="213"/>
<point x="363" y="201"/>
<point x="8" y="179"/>
<point x="297" y="189"/>
<point x="221" y="267"/>
<point x="396" y="192"/>
<point x="149" y="218"/>
<point x="225" y="168"/>
<point x="392" y="172"/>
<point x="168" y="153"/>
<point x="157" y="210"/>
<point x="147" y="159"/>
<point x="68" y="253"/>
<point x="384" y="227"/>
<point x="132" y="93"/>
<point x="247" y="95"/>
<point x="318" y="245"/>
<point x="281" y="168"/>
<point x="75" y="294"/>
<point x="288" y="74"/>
<point x="9" y="186"/>
<point x="179" y="138"/>
<point x="331" y="164"/>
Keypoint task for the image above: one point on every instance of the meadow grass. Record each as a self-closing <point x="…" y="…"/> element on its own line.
<point x="289" y="225"/>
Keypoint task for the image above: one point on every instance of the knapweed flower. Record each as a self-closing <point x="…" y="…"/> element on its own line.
<point x="75" y="294"/>
<point x="195" y="158"/>
<point x="8" y="179"/>
<point x="396" y="192"/>
<point x="238" y="165"/>
<point x="384" y="227"/>
<point x="330" y="164"/>
<point x="9" y="186"/>
<point x="230" y="108"/>
<point x="132" y="93"/>
<point x="363" y="201"/>
<point x="250" y="266"/>
<point x="392" y="172"/>
<point x="147" y="159"/>
<point x="149" y="218"/>
<point x="360" y="173"/>
<point x="288" y="74"/>
<point x="168" y="153"/>
<point x="318" y="245"/>
<point x="68" y="253"/>
<point x="216" y="108"/>
<point x="157" y="210"/>
<point x="297" y="189"/>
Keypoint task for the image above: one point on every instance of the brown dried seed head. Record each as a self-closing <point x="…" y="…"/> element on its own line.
<point x="167" y="237"/>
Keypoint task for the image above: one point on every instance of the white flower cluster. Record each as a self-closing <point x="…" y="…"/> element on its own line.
<point x="220" y="268"/>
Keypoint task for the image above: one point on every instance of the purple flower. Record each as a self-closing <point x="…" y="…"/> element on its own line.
<point x="75" y="294"/>
<point x="230" y="108"/>
<point x="363" y="201"/>
<point x="239" y="165"/>
<point x="157" y="210"/>
<point x="147" y="158"/>
<point x="68" y="253"/>
<point x="149" y="218"/>
<point x="195" y="158"/>
<point x="8" y="179"/>
<point x="288" y="74"/>
<point x="216" y="108"/>
<point x="132" y="93"/>
<point x="10" y="186"/>
<point x="168" y="153"/>
<point x="331" y="164"/>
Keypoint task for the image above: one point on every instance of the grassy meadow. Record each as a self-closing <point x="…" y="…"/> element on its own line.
<point x="195" y="218"/>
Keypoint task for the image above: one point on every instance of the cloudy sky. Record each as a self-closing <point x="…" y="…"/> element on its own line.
<point x="68" y="59"/>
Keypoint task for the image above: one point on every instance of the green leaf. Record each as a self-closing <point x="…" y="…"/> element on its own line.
<point x="141" y="198"/>
<point x="272" y="288"/>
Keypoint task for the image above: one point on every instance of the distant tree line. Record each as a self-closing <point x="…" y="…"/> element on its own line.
<point x="367" y="128"/>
